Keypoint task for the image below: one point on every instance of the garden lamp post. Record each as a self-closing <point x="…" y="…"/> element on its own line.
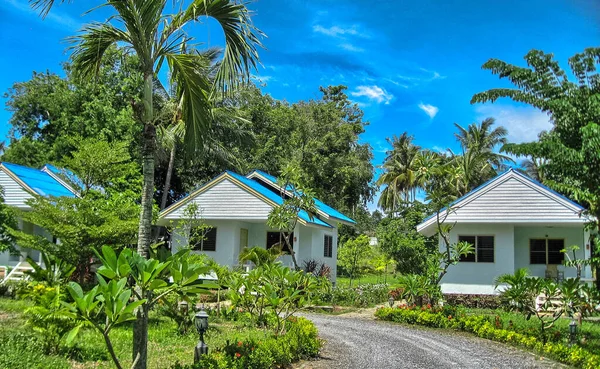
<point x="572" y="331"/>
<point x="201" y="323"/>
<point x="183" y="306"/>
<point x="391" y="301"/>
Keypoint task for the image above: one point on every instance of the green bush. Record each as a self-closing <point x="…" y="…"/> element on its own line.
<point x="487" y="327"/>
<point x="260" y="351"/>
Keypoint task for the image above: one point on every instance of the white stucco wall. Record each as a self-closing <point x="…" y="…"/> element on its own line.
<point x="308" y="243"/>
<point x="571" y="235"/>
<point x="478" y="278"/>
<point x="511" y="252"/>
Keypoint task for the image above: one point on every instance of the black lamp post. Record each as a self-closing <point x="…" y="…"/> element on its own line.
<point x="391" y="301"/>
<point x="572" y="331"/>
<point x="201" y="323"/>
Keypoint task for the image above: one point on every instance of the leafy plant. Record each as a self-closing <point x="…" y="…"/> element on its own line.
<point x="538" y="297"/>
<point x="53" y="272"/>
<point x="48" y="317"/>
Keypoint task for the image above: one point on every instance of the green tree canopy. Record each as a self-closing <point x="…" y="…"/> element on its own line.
<point x="569" y="154"/>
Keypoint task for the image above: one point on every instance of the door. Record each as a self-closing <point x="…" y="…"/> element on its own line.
<point x="243" y="238"/>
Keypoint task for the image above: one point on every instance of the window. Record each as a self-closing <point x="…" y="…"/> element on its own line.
<point x="274" y="238"/>
<point x="483" y="247"/>
<point x="546" y="251"/>
<point x="203" y="239"/>
<point x="328" y="246"/>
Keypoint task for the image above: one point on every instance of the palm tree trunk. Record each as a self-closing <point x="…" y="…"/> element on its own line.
<point x="166" y="188"/>
<point x="140" y="326"/>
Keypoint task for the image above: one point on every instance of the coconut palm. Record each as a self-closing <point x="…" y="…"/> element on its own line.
<point x="400" y="176"/>
<point x="479" y="161"/>
<point x="157" y="37"/>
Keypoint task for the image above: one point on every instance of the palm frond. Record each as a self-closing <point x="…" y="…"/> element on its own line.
<point x="241" y="38"/>
<point x="89" y="47"/>
<point x="193" y="85"/>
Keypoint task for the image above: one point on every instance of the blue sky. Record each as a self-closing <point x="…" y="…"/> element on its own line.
<point x="411" y="65"/>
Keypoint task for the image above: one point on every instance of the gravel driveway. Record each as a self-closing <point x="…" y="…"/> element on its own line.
<point x="355" y="342"/>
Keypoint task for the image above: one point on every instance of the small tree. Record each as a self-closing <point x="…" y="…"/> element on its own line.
<point x="353" y="256"/>
<point x="117" y="277"/>
<point x="105" y="213"/>
<point x="296" y="199"/>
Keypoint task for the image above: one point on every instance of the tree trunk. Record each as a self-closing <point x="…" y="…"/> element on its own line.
<point x="140" y="337"/>
<point x="167" y="187"/>
<point x="140" y="327"/>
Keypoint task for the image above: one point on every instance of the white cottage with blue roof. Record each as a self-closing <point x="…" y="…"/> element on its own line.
<point x="512" y="222"/>
<point x="19" y="184"/>
<point x="237" y="208"/>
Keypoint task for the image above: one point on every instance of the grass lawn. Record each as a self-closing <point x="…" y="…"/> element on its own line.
<point x="164" y="349"/>
<point x="390" y="279"/>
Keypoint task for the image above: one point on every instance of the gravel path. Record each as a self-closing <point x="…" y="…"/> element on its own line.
<point x="357" y="343"/>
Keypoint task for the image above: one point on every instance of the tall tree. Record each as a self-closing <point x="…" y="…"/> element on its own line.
<point x="400" y="176"/>
<point x="48" y="110"/>
<point x="479" y="160"/>
<point x="156" y="37"/>
<point x="570" y="151"/>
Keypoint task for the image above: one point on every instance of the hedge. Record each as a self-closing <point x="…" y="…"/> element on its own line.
<point x="483" y="327"/>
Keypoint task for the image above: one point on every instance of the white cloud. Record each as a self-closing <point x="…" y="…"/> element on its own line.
<point x="338" y="31"/>
<point x="54" y="17"/>
<point x="522" y="122"/>
<point x="350" y="47"/>
<point x="262" y="79"/>
<point x="429" y="109"/>
<point x="373" y="93"/>
<point x="416" y="77"/>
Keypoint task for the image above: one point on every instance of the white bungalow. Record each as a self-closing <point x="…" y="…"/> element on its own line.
<point x="237" y="208"/>
<point x="513" y="222"/>
<point x="20" y="184"/>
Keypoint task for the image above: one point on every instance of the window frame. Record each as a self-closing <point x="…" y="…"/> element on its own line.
<point x="546" y="239"/>
<point x="200" y="247"/>
<point x="476" y="248"/>
<point x="325" y="248"/>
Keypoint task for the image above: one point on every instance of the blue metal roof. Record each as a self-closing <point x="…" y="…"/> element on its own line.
<point x="40" y="182"/>
<point x="302" y="214"/>
<point x="318" y="203"/>
<point x="581" y="208"/>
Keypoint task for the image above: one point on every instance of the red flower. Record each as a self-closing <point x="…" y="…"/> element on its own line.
<point x="237" y="354"/>
<point x="239" y="343"/>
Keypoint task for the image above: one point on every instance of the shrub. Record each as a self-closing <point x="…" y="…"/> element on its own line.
<point x="487" y="327"/>
<point x="264" y="351"/>
<point x="473" y="300"/>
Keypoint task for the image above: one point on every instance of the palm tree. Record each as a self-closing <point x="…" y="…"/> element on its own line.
<point x="225" y="128"/>
<point x="157" y="37"/>
<point x="400" y="176"/>
<point x="479" y="162"/>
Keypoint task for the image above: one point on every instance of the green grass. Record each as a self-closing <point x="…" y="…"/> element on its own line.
<point x="391" y="279"/>
<point x="165" y="346"/>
